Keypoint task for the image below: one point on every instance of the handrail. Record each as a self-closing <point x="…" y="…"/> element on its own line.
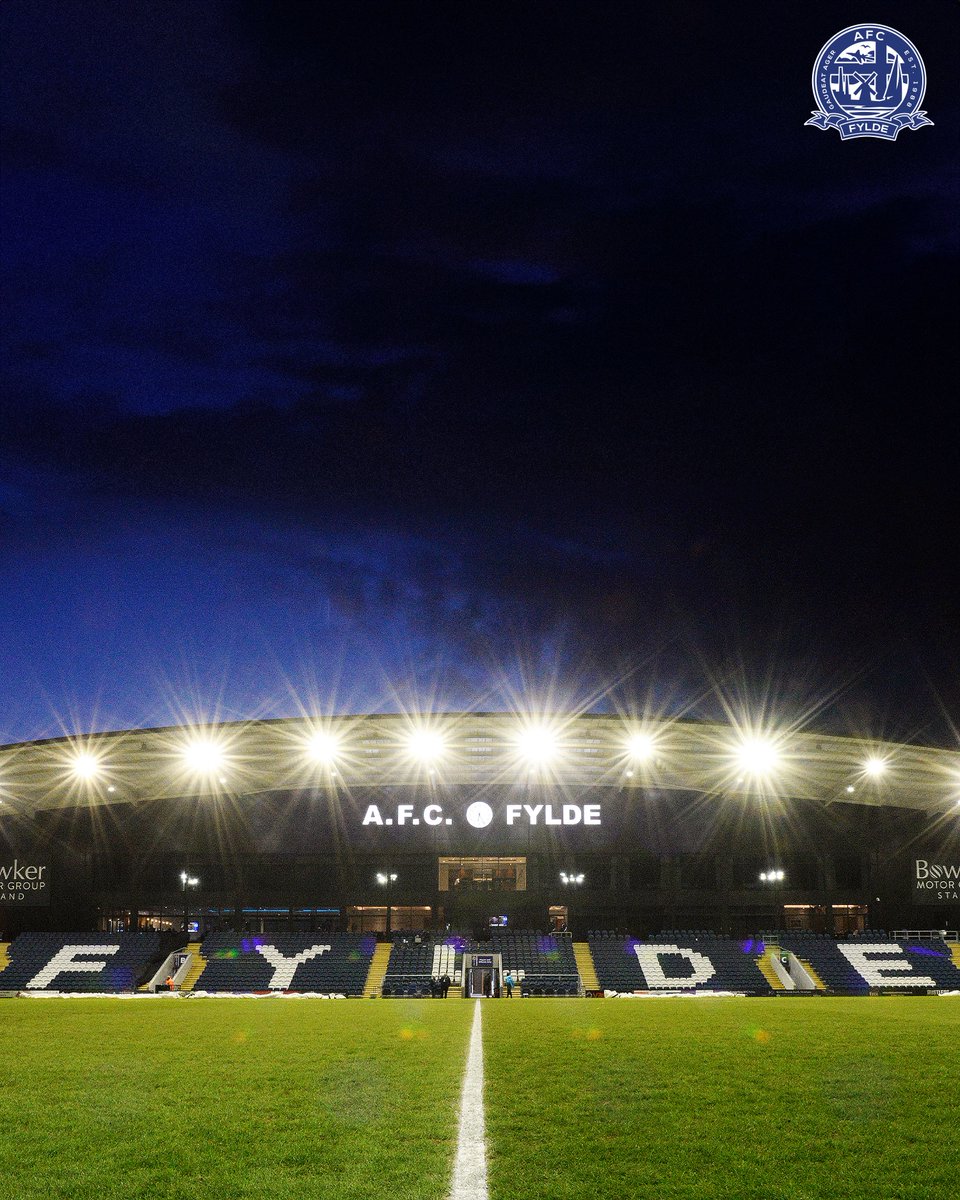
<point x="924" y="935"/>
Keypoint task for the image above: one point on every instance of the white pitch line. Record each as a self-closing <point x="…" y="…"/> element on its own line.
<point x="470" y="1167"/>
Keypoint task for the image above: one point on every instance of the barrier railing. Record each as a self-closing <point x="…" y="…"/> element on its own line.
<point x="924" y="935"/>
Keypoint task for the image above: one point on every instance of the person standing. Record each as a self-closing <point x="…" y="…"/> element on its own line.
<point x="508" y="980"/>
<point x="444" y="985"/>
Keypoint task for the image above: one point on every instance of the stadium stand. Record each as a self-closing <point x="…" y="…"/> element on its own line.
<point x="871" y="960"/>
<point x="416" y="959"/>
<point x="329" y="963"/>
<point x="544" y="964"/>
<point x="80" y="962"/>
<point x="679" y="961"/>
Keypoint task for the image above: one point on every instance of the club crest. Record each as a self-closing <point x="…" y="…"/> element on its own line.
<point x="869" y="81"/>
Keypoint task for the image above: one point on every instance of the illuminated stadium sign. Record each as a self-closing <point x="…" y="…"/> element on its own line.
<point x="24" y="883"/>
<point x="479" y="814"/>
<point x="936" y="883"/>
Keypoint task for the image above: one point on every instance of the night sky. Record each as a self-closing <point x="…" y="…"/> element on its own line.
<point x="432" y="356"/>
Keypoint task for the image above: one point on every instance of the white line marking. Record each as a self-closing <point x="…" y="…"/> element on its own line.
<point x="470" y="1167"/>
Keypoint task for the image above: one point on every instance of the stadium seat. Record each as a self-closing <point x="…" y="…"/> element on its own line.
<point x="711" y="964"/>
<point x="545" y="964"/>
<point x="329" y="963"/>
<point x="417" y="958"/>
<point x="80" y="962"/>
<point x="856" y="965"/>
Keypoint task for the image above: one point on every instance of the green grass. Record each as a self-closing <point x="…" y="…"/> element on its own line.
<point x="224" y="1099"/>
<point x="229" y="1098"/>
<point x="806" y="1099"/>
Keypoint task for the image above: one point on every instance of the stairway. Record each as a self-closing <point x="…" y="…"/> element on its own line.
<point x="197" y="963"/>
<point x="585" y="965"/>
<point x="766" y="968"/>
<point x="817" y="981"/>
<point x="4" y="957"/>
<point x="378" y="968"/>
<point x="455" y="992"/>
<point x="954" y="953"/>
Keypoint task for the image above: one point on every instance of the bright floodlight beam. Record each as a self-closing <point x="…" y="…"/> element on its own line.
<point x="426" y="745"/>
<point x="758" y="757"/>
<point x="324" y="747"/>
<point x="537" y="744"/>
<point x="875" y="767"/>
<point x="203" y="757"/>
<point x="85" y="767"/>
<point x="640" y="747"/>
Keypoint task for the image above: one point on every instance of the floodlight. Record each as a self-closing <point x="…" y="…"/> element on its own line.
<point x="204" y="757"/>
<point x="426" y="745"/>
<point x="85" y="767"/>
<point x="757" y="756"/>
<point x="537" y="744"/>
<point x="323" y="747"/>
<point x="875" y="767"/>
<point x="381" y="878"/>
<point x="641" y="746"/>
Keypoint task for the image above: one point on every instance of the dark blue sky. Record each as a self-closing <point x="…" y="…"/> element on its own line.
<point x="378" y="355"/>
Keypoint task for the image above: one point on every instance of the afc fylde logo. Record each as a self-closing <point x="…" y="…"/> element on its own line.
<point x="480" y="815"/>
<point x="869" y="81"/>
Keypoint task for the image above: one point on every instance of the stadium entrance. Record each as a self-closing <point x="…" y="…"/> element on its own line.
<point x="481" y="976"/>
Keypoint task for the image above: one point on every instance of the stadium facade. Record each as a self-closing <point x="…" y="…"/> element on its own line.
<point x="372" y="823"/>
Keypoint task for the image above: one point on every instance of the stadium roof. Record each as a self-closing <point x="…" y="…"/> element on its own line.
<point x="464" y="749"/>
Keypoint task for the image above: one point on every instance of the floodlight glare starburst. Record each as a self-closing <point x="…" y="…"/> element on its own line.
<point x="875" y="767"/>
<point x="85" y="767"/>
<point x="757" y="756"/>
<point x="205" y="757"/>
<point x="641" y="746"/>
<point x="538" y="744"/>
<point x="323" y="747"/>
<point x="426" y="745"/>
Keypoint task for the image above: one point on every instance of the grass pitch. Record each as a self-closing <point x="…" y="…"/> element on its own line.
<point x="223" y="1099"/>
<point x="806" y="1099"/>
<point x="739" y="1099"/>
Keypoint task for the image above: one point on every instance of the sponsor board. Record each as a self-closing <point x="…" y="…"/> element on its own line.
<point x="936" y="882"/>
<point x="25" y="883"/>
